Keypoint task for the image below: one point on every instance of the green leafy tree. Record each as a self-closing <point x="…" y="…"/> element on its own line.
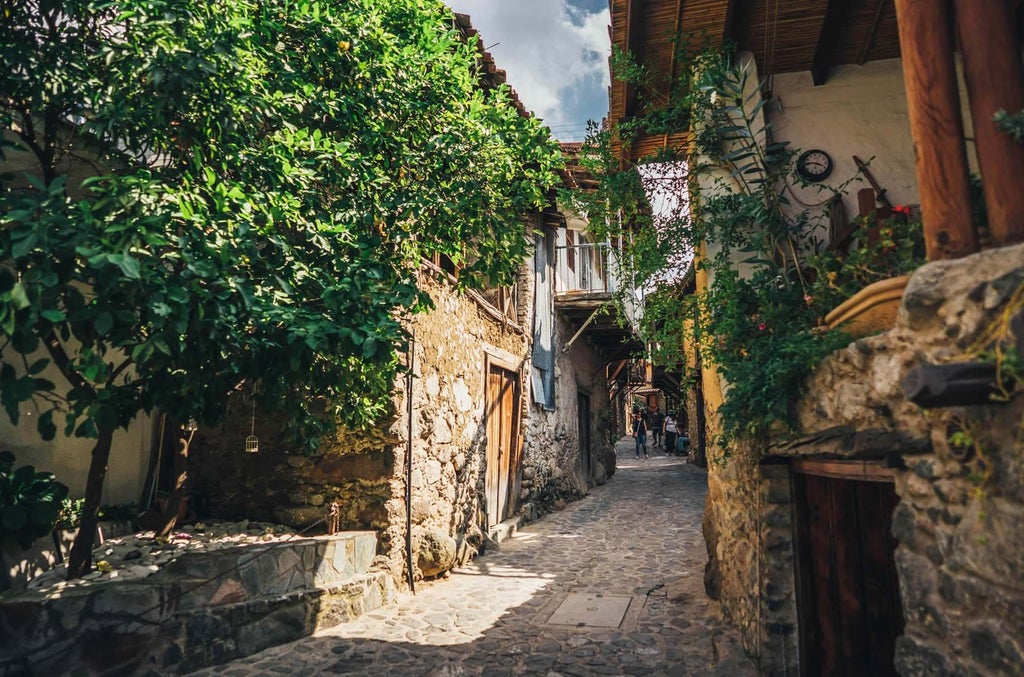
<point x="206" y="194"/>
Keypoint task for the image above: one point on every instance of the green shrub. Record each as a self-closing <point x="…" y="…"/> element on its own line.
<point x="30" y="501"/>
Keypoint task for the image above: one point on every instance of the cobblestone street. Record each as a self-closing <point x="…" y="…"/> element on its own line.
<point x="628" y="560"/>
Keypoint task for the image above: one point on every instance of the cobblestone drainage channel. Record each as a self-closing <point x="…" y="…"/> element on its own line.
<point x="591" y="610"/>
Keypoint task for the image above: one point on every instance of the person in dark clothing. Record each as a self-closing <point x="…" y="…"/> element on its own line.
<point x="657" y="421"/>
<point x="669" y="428"/>
<point x="639" y="431"/>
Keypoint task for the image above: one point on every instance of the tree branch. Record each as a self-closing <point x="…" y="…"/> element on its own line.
<point x="63" y="362"/>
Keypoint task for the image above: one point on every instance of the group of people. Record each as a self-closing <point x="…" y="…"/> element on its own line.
<point x="664" y="429"/>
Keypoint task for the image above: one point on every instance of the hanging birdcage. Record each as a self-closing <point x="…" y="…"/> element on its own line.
<point x="252" y="443"/>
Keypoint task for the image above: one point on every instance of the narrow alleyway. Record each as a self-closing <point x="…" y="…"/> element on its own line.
<point x="610" y="585"/>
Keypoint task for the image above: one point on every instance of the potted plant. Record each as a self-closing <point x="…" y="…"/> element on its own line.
<point x="865" y="285"/>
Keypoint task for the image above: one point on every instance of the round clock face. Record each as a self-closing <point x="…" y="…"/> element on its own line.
<point x="814" y="165"/>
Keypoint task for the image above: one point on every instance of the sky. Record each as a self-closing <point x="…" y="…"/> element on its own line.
<point x="554" y="52"/>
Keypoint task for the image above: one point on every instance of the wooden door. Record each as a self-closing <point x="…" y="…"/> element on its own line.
<point x="847" y="589"/>
<point x="502" y="443"/>
<point x="583" y="426"/>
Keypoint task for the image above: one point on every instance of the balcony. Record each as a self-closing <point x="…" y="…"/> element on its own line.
<point x="583" y="271"/>
<point x="585" y="285"/>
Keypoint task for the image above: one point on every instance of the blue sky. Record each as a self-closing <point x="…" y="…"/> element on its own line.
<point x="555" y="53"/>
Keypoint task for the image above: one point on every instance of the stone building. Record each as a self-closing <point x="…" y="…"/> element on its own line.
<point x="885" y="536"/>
<point x="506" y="415"/>
<point x="491" y="436"/>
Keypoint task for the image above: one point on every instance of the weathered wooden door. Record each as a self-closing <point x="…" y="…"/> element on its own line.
<point x="502" y="443"/>
<point x="583" y="426"/>
<point x="850" y="611"/>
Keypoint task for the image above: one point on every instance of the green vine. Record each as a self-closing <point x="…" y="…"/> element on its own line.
<point x="1011" y="124"/>
<point x="757" y="319"/>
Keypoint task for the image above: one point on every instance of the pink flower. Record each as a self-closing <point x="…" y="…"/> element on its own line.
<point x="761" y="326"/>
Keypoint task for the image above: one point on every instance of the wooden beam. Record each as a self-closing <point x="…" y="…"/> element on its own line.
<point x="863" y="471"/>
<point x="629" y="89"/>
<point x="995" y="80"/>
<point x="871" y="32"/>
<point x="959" y="384"/>
<point x="730" y="19"/>
<point x="929" y="76"/>
<point x="615" y="374"/>
<point x="828" y="40"/>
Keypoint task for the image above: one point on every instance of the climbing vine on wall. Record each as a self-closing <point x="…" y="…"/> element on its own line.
<point x="757" y="319"/>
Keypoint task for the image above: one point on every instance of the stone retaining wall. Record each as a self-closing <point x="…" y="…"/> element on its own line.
<point x="201" y="609"/>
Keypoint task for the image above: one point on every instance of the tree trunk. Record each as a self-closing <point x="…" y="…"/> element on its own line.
<point x="80" y="558"/>
<point x="173" y="505"/>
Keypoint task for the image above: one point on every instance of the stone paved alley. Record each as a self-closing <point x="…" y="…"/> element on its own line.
<point x="632" y="545"/>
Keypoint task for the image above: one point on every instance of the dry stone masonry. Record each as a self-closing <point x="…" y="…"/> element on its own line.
<point x="365" y="473"/>
<point x="957" y="472"/>
<point x="204" y="597"/>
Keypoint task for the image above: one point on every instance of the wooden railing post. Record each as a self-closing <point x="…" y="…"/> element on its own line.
<point x="995" y="79"/>
<point x="929" y="75"/>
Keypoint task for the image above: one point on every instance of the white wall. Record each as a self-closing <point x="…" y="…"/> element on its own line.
<point x="862" y="111"/>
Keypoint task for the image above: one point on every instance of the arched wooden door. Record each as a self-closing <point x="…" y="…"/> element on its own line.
<point x="503" y="459"/>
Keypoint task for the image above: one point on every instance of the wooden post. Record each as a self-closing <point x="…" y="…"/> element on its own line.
<point x="995" y="79"/>
<point x="929" y="75"/>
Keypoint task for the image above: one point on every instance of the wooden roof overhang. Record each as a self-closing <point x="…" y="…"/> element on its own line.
<point x="783" y="35"/>
<point x="815" y="35"/>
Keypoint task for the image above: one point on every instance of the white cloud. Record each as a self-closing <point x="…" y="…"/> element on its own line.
<point x="554" y="52"/>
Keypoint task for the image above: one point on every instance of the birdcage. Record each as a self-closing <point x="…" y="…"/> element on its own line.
<point x="252" y="443"/>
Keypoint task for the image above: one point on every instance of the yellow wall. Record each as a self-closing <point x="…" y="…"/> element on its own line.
<point x="68" y="457"/>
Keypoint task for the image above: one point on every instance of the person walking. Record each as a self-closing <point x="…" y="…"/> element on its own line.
<point x="670" y="430"/>
<point x="657" y="421"/>
<point x="639" y="429"/>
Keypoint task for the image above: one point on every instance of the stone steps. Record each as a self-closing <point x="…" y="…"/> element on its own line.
<point x="201" y="609"/>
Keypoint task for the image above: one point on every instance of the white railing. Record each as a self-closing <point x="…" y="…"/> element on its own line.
<point x="584" y="268"/>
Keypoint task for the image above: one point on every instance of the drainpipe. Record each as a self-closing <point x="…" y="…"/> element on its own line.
<point x="408" y="463"/>
<point x="760" y="566"/>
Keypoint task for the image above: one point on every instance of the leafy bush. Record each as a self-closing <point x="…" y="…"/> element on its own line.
<point x="70" y="516"/>
<point x="30" y="501"/>
<point x="893" y="247"/>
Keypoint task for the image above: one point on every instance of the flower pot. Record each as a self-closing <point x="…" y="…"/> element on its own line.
<point x="871" y="310"/>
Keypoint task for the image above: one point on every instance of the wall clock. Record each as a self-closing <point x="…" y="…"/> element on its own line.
<point x="814" y="165"/>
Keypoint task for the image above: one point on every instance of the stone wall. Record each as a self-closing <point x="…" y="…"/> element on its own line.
<point x="552" y="461"/>
<point x="365" y="473"/>
<point x="731" y="528"/>
<point x="200" y="609"/>
<point x="453" y="344"/>
<point x="960" y="516"/>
